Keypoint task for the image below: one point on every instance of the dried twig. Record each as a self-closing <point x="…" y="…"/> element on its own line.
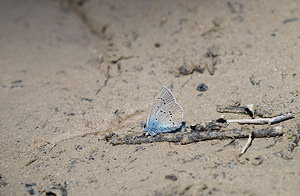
<point x="193" y="136"/>
<point x="261" y="121"/>
<point x="237" y="109"/>
<point x="107" y="77"/>
<point x="250" y="109"/>
<point x="207" y="131"/>
<point x="248" y="144"/>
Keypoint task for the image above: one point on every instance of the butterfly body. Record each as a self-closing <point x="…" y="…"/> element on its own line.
<point x="166" y="114"/>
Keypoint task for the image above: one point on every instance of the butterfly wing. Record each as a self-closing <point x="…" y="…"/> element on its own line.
<point x="163" y="97"/>
<point x="167" y="119"/>
<point x="166" y="114"/>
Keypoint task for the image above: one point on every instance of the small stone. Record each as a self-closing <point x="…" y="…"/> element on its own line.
<point x="31" y="191"/>
<point x="139" y="148"/>
<point x="57" y="189"/>
<point x="202" y="87"/>
<point x="157" y="45"/>
<point x="30" y="185"/>
<point x="86" y="99"/>
<point x="17" y="82"/>
<point x="91" y="158"/>
<point x="171" y="177"/>
<point x="78" y="148"/>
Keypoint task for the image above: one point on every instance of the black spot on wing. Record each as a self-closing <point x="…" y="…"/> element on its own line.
<point x="163" y="100"/>
<point x="170" y="113"/>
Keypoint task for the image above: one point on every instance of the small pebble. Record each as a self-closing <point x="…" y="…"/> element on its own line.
<point x="78" y="147"/>
<point x="16" y="82"/>
<point x="139" y="148"/>
<point x="57" y="189"/>
<point x="29" y="188"/>
<point x="16" y="86"/>
<point x="31" y="191"/>
<point x="91" y="158"/>
<point x="86" y="99"/>
<point x="30" y="185"/>
<point x="157" y="45"/>
<point x="171" y="177"/>
<point x="202" y="87"/>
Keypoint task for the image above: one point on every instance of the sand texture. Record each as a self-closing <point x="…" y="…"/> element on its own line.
<point x="74" y="71"/>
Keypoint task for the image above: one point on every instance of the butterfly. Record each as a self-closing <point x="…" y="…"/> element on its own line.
<point x="165" y="115"/>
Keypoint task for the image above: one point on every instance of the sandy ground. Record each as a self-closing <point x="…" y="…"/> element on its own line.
<point x="73" y="71"/>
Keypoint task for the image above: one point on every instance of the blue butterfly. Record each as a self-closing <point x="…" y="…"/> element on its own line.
<point x="166" y="114"/>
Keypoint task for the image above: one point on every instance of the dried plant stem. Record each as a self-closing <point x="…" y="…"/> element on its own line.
<point x="194" y="136"/>
<point x="261" y="121"/>
<point x="248" y="144"/>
